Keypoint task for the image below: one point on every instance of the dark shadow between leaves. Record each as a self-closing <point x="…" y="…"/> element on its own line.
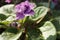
<point x="2" y="30"/>
<point x="33" y="34"/>
<point x="12" y="30"/>
<point x="57" y="25"/>
<point x="3" y="17"/>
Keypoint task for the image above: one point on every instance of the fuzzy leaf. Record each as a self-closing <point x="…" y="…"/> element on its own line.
<point x="48" y="31"/>
<point x="6" y="11"/>
<point x="39" y="13"/>
<point x="3" y="17"/>
<point x="11" y="34"/>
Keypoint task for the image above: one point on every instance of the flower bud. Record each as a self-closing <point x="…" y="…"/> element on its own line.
<point x="15" y="25"/>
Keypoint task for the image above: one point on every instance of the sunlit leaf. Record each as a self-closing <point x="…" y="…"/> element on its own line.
<point x="10" y="34"/>
<point x="6" y="11"/>
<point x="48" y="31"/>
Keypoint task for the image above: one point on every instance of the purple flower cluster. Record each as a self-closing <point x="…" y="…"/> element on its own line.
<point x="8" y="1"/>
<point x="24" y="9"/>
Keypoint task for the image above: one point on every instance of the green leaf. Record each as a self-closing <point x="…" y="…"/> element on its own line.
<point x="11" y="34"/>
<point x="7" y="9"/>
<point x="48" y="31"/>
<point x="39" y="13"/>
<point x="56" y="21"/>
<point x="4" y="24"/>
<point x="3" y="17"/>
<point x="10" y="18"/>
<point x="34" y="34"/>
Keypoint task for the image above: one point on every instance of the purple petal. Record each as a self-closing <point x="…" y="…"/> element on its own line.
<point x="31" y="13"/>
<point x="19" y="16"/>
<point x="26" y="3"/>
<point x="24" y="9"/>
<point x="32" y="5"/>
<point x="27" y="9"/>
<point x="19" y="8"/>
<point x="8" y="1"/>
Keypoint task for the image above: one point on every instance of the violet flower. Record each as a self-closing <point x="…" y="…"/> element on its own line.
<point x="8" y="1"/>
<point x="24" y="9"/>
